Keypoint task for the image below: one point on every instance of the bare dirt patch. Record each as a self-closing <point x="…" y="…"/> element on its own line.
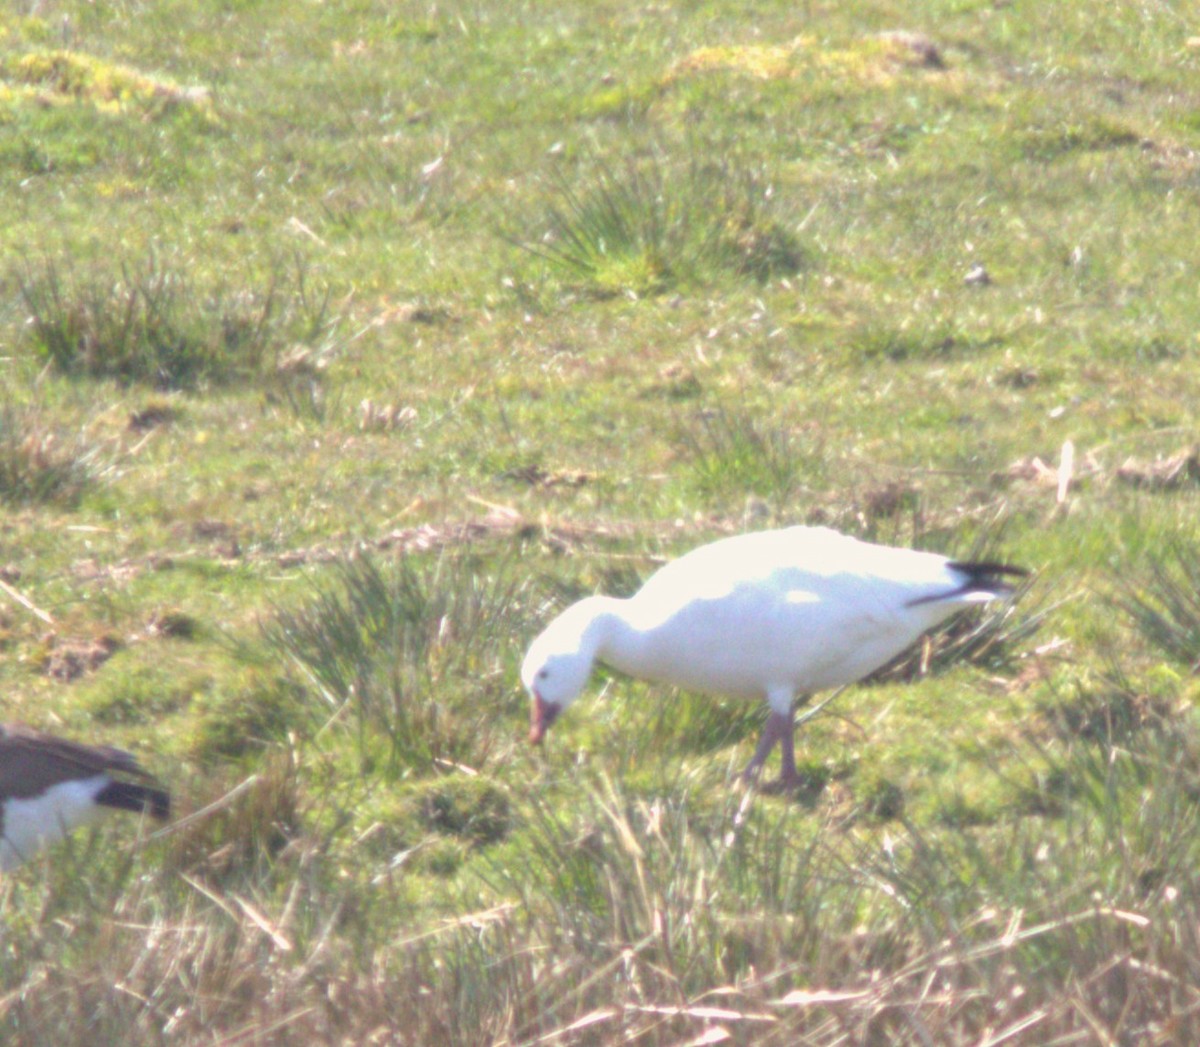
<point x="68" y="660"/>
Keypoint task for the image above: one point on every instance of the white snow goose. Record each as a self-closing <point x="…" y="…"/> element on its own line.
<point x="50" y="786"/>
<point x="774" y="615"/>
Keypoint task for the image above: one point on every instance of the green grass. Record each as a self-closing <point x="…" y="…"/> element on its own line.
<point x="345" y="343"/>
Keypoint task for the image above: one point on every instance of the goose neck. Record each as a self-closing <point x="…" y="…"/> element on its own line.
<point x="611" y="634"/>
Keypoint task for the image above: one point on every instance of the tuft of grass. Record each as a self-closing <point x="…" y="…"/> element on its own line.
<point x="37" y="465"/>
<point x="150" y="325"/>
<point x="733" y="453"/>
<point x="654" y="225"/>
<point x="251" y="823"/>
<point x="410" y="656"/>
<point x="1163" y="601"/>
<point x="466" y="806"/>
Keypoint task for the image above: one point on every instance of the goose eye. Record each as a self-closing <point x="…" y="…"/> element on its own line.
<point x="543" y="673"/>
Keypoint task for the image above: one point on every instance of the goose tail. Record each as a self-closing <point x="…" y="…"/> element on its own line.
<point x="980" y="581"/>
<point x="129" y="796"/>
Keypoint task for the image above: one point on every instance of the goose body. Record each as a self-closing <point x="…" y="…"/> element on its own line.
<point x="773" y="615"/>
<point x="50" y="786"/>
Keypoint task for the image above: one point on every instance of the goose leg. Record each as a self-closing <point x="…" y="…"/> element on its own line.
<point x="777" y="729"/>
<point x="788" y="776"/>
<point x="780" y="728"/>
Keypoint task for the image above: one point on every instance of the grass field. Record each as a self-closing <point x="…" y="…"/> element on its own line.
<point x="343" y="343"/>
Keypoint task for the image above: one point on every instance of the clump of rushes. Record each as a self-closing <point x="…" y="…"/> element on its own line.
<point x="653" y="225"/>
<point x="1163" y="601"/>
<point x="411" y="655"/>
<point x="146" y="323"/>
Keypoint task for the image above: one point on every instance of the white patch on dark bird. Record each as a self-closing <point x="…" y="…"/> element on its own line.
<point x="37" y="822"/>
<point x="50" y="786"/>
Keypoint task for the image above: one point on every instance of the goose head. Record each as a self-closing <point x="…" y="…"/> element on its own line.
<point x="559" y="662"/>
<point x="554" y="680"/>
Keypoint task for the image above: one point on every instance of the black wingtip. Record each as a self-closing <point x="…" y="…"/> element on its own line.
<point x="979" y="576"/>
<point x="987" y="576"/>
<point x="129" y="796"/>
<point x="984" y="569"/>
